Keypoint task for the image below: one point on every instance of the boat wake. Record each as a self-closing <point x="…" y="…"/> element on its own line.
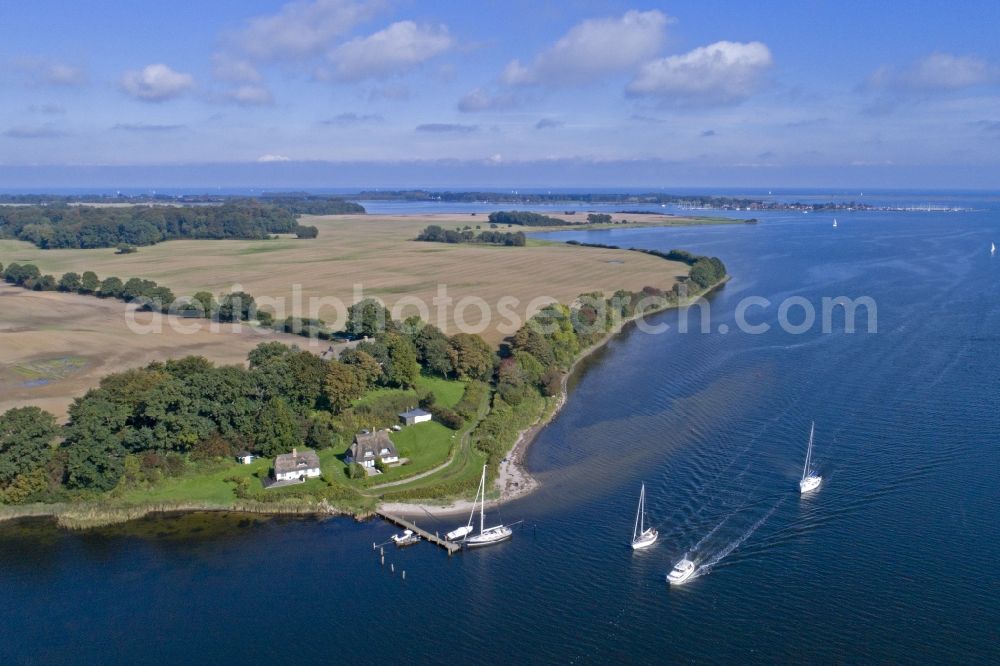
<point x="707" y="566"/>
<point x="711" y="532"/>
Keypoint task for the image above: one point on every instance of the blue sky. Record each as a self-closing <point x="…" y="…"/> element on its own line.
<point x="344" y="93"/>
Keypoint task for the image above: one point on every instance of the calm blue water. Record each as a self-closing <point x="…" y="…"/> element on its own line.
<point x="893" y="560"/>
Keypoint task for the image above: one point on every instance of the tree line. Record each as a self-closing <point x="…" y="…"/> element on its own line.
<point x="525" y="218"/>
<point x="705" y="271"/>
<point x="436" y="234"/>
<point x="303" y="203"/>
<point x="235" y="306"/>
<point x="297" y="203"/>
<point x="65" y="226"/>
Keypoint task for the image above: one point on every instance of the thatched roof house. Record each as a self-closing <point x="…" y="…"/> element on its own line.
<point x="296" y="465"/>
<point x="369" y="447"/>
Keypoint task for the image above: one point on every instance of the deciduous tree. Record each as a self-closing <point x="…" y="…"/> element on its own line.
<point x="26" y="434"/>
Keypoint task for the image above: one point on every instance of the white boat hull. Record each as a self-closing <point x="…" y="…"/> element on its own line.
<point x="646" y="539"/>
<point x="458" y="534"/>
<point x="682" y="572"/>
<point x="809" y="484"/>
<point x="407" y="538"/>
<point x="490" y="536"/>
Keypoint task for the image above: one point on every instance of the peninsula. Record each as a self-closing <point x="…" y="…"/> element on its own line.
<point x="143" y="427"/>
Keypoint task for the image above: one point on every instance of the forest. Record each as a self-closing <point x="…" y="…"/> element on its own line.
<point x="525" y="218"/>
<point x="62" y="225"/>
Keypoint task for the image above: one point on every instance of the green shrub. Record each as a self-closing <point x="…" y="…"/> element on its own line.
<point x="449" y="418"/>
<point x="468" y="406"/>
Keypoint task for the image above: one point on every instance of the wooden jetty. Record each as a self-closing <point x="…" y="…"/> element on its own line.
<point x="449" y="546"/>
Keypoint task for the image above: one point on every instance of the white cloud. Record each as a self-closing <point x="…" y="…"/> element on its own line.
<point x="720" y="73"/>
<point x="299" y="29"/>
<point x="226" y="67"/>
<point x="246" y="83"/>
<point x="935" y="72"/>
<point x="44" y="72"/>
<point x="482" y="100"/>
<point x="249" y="95"/>
<point x="592" y="49"/>
<point x="273" y="158"/>
<point x="399" y="47"/>
<point x="156" y="83"/>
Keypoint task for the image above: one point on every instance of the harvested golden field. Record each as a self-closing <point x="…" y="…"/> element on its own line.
<point x="376" y="256"/>
<point x="53" y="346"/>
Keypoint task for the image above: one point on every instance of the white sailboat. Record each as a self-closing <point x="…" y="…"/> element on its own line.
<point x="834" y="223"/>
<point x="993" y="249"/>
<point x="810" y="479"/>
<point x="487" y="535"/>
<point x="642" y="536"/>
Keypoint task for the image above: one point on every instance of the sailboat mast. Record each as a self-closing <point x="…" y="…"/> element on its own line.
<point x="638" y="512"/>
<point x="642" y="509"/>
<point x="809" y="450"/>
<point x="482" y="507"/>
<point x="472" y="514"/>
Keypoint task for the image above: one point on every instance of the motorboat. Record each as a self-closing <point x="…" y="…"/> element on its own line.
<point x="681" y="572"/>
<point x="407" y="538"/>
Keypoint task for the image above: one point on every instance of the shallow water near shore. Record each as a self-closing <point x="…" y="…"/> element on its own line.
<point x="891" y="560"/>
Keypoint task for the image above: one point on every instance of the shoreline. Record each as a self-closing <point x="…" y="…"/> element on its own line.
<point x="85" y="516"/>
<point x="513" y="478"/>
<point x="514" y="481"/>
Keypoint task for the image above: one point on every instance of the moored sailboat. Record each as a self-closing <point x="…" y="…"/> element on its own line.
<point x="487" y="535"/>
<point x="810" y="479"/>
<point x="642" y="536"/>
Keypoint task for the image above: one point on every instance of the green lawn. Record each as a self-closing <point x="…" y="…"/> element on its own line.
<point x="203" y="482"/>
<point x="375" y="395"/>
<point x="465" y="467"/>
<point x="447" y="391"/>
<point x="206" y="482"/>
<point x="425" y="444"/>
